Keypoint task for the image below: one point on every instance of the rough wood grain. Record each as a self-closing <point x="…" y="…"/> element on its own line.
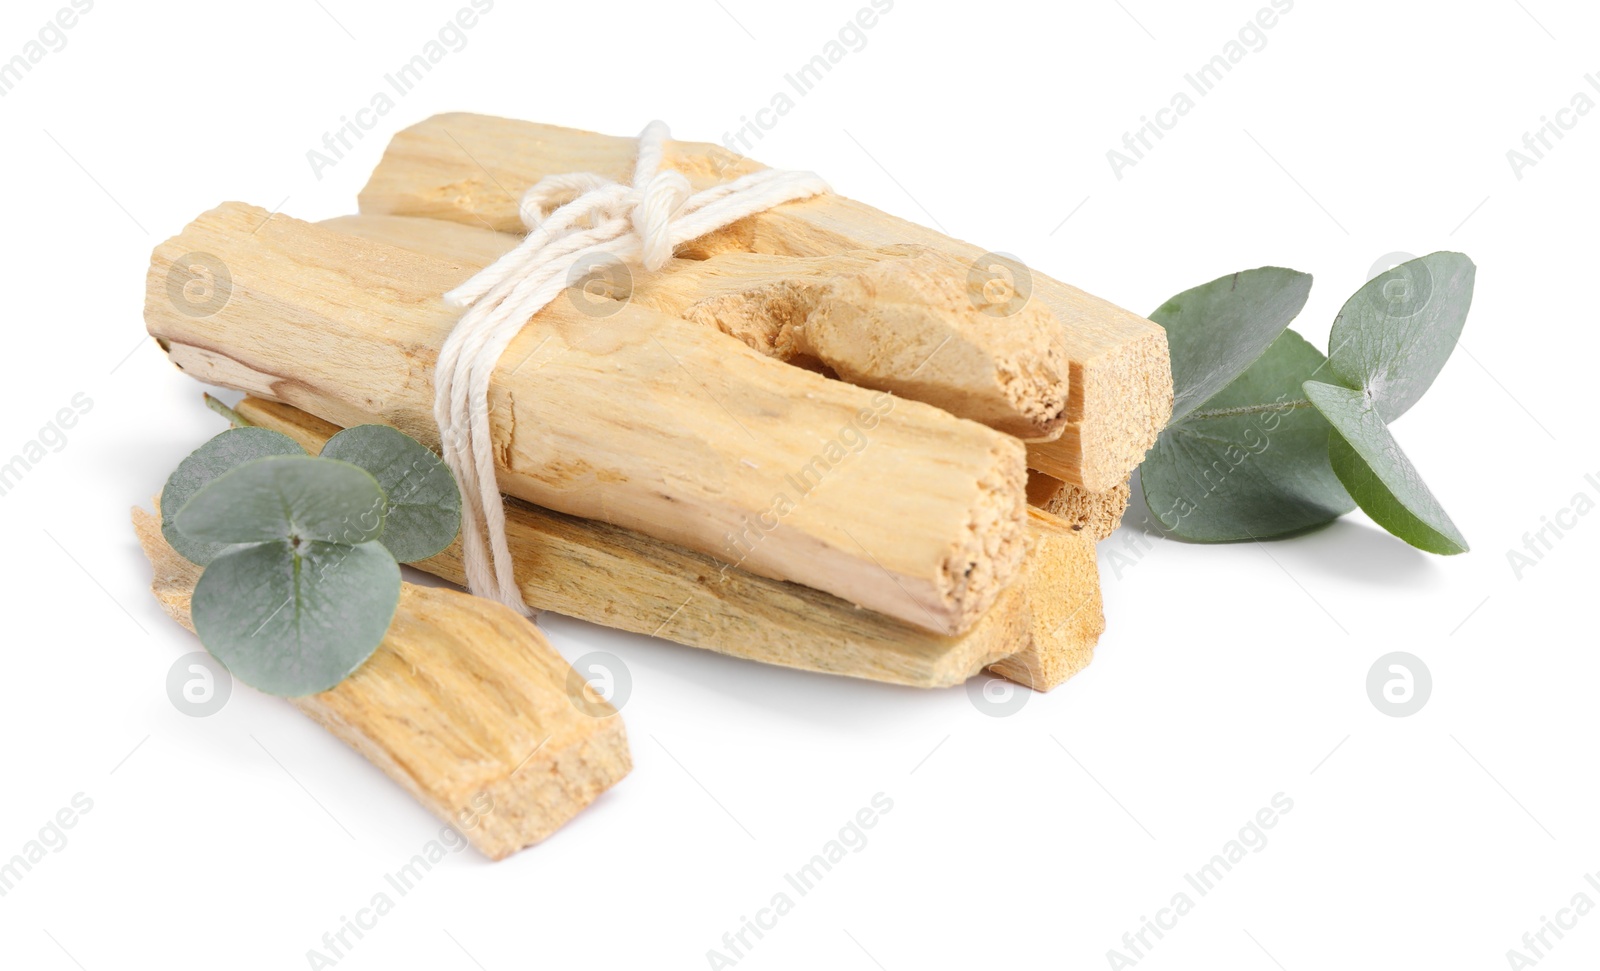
<point x="464" y="704"/>
<point x="1096" y="513"/>
<point x="1043" y="629"/>
<point x="619" y="578"/>
<point x="637" y="418"/>
<point x="1063" y="582"/>
<point x="901" y="320"/>
<point x="473" y="169"/>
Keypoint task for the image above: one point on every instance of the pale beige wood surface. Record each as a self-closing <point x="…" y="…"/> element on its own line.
<point x="619" y="578"/>
<point x="1063" y="582"/>
<point x="1050" y="620"/>
<point x="473" y="169"/>
<point x="1096" y="513"/>
<point x="637" y="418"/>
<point x="900" y="320"/>
<point x="464" y="704"/>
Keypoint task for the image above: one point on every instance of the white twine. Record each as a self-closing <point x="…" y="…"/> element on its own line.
<point x="592" y="216"/>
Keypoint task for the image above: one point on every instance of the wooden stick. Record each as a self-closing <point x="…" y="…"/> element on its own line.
<point x="1063" y="582"/>
<point x="473" y="169"/>
<point x="1096" y="513"/>
<point x="608" y="575"/>
<point x="465" y="705"/>
<point x="618" y="578"/>
<point x="900" y="320"/>
<point x="637" y="418"/>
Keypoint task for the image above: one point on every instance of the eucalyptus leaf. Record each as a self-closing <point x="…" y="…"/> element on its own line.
<point x="1252" y="462"/>
<point x="221" y="454"/>
<point x="1217" y="330"/>
<point x="1378" y="474"/>
<point x="423" y="513"/>
<point x="286" y="497"/>
<point x="1393" y="337"/>
<point x="294" y="619"/>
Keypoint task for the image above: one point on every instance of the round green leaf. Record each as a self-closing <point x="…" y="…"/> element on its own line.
<point x="1392" y="338"/>
<point x="1253" y="461"/>
<point x="294" y="619"/>
<point x="423" y="513"/>
<point x="223" y="453"/>
<point x="286" y="497"/>
<point x="1217" y="330"/>
<point x="1377" y="473"/>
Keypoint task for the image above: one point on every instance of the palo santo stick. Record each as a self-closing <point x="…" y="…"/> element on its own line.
<point x="618" y="578"/>
<point x="473" y="169"/>
<point x="900" y="321"/>
<point x="637" y="418"/>
<point x="1063" y="583"/>
<point x="464" y="704"/>
<point x="608" y="575"/>
<point x="1096" y="513"/>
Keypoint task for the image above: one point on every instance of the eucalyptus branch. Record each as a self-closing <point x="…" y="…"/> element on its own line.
<point x="1244" y="378"/>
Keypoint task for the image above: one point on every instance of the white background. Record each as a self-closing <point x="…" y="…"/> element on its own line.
<point x="1228" y="673"/>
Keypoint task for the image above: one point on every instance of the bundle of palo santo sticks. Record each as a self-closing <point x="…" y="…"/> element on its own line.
<point x="822" y="437"/>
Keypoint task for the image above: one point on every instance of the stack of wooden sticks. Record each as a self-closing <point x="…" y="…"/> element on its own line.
<point x="822" y="437"/>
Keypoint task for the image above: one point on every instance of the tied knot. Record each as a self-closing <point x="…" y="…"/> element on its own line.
<point x="560" y="205"/>
<point x="573" y="220"/>
<point x="653" y="206"/>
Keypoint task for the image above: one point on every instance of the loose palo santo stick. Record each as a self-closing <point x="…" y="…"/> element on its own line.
<point x="473" y="169"/>
<point x="636" y="418"/>
<point x="612" y="576"/>
<point x="900" y="320"/>
<point x="464" y="704"/>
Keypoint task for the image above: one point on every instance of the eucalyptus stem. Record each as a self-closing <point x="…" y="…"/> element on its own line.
<point x="236" y="419"/>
